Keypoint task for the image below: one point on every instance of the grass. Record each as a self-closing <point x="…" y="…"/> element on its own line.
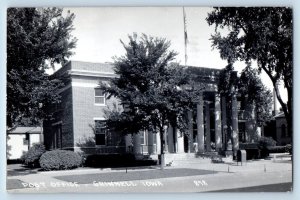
<point x="133" y="175"/>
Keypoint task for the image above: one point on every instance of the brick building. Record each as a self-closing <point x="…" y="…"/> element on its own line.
<point x="78" y="121"/>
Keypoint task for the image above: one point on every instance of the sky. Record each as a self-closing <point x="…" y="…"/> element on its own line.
<point x="100" y="29"/>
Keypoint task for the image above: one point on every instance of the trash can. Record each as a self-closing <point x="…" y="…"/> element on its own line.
<point x="242" y="156"/>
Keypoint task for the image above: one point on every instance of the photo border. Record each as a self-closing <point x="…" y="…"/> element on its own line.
<point x="4" y="4"/>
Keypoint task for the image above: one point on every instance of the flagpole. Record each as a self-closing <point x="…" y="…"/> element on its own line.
<point x="185" y="37"/>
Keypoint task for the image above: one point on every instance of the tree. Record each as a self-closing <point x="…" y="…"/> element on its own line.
<point x="151" y="88"/>
<point x="250" y="89"/>
<point x="227" y="88"/>
<point x="37" y="38"/>
<point x="251" y="86"/>
<point x="261" y="34"/>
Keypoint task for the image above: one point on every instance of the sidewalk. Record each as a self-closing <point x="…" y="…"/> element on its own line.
<point x="192" y="177"/>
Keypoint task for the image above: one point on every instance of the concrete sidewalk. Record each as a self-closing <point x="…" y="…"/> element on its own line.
<point x="223" y="176"/>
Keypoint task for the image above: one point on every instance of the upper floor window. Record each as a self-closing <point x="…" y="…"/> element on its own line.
<point x="99" y="97"/>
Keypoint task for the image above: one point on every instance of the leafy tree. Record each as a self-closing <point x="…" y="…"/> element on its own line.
<point x="151" y="88"/>
<point x="37" y="38"/>
<point x="250" y="86"/>
<point x="227" y="87"/>
<point x="261" y="34"/>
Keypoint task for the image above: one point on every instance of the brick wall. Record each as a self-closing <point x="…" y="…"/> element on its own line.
<point x="62" y="115"/>
<point x="84" y="109"/>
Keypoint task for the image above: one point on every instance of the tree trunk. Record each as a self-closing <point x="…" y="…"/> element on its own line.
<point x="162" y="145"/>
<point x="290" y="114"/>
<point x="287" y="108"/>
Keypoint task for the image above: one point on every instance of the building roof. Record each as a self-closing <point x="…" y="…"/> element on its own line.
<point x="280" y="114"/>
<point x="23" y="130"/>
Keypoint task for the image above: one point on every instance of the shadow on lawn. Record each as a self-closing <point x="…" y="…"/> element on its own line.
<point x="20" y="170"/>
<point x="117" y="161"/>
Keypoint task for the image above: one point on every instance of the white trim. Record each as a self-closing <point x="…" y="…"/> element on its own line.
<point x="99" y="104"/>
<point x="99" y="118"/>
<point x="93" y="74"/>
<point x="89" y="71"/>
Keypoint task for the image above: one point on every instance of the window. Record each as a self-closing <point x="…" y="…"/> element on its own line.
<point x="99" y="97"/>
<point x="100" y="132"/>
<point x="142" y="137"/>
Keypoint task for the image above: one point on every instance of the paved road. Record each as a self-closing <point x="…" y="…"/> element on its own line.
<point x="280" y="187"/>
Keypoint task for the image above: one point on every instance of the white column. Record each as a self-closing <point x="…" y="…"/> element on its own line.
<point x="200" y="126"/>
<point x="166" y="139"/>
<point x="157" y="143"/>
<point x="190" y="127"/>
<point x="207" y="130"/>
<point x="180" y="142"/>
<point x="218" y="133"/>
<point x="226" y="139"/>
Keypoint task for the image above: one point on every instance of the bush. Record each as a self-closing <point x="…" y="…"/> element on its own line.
<point x="60" y="160"/>
<point x="32" y="156"/>
<point x="277" y="149"/>
<point x="265" y="142"/>
<point x="288" y="149"/>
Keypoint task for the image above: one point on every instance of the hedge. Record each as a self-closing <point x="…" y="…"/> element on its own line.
<point x="60" y="160"/>
<point x="32" y="156"/>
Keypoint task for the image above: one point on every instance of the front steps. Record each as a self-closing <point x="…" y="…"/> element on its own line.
<point x="180" y="159"/>
<point x="183" y="159"/>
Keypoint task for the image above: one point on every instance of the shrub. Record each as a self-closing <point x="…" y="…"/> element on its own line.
<point x="32" y="156"/>
<point x="264" y="143"/>
<point x="277" y="149"/>
<point x="288" y="149"/>
<point x="60" y="160"/>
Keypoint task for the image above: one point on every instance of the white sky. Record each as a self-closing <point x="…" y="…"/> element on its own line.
<point x="99" y="30"/>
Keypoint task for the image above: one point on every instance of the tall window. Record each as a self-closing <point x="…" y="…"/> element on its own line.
<point x="99" y="97"/>
<point x="100" y="132"/>
<point x="142" y="137"/>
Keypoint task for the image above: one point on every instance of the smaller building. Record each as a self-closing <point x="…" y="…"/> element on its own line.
<point x="20" y="139"/>
<point x="283" y="137"/>
<point x="277" y="129"/>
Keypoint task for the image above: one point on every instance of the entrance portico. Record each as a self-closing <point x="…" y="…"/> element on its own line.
<point x="207" y="121"/>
